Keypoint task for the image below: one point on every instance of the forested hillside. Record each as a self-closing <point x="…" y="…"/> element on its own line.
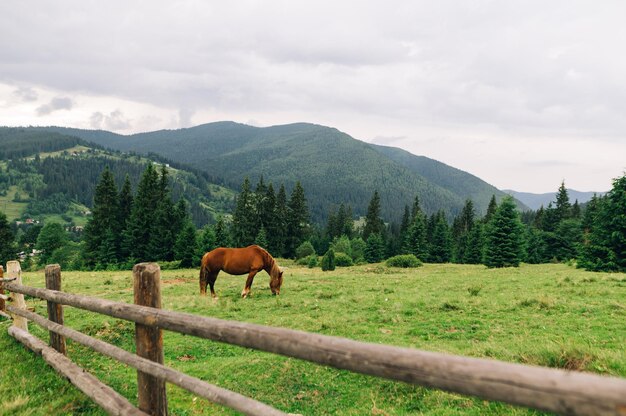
<point x="50" y="174"/>
<point x="333" y="167"/>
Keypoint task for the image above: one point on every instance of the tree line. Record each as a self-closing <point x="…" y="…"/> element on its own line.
<point x="126" y="228"/>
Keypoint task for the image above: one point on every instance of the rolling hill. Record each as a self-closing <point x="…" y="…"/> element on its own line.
<point x="49" y="175"/>
<point x="332" y="166"/>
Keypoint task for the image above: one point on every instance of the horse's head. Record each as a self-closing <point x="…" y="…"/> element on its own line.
<point x="276" y="280"/>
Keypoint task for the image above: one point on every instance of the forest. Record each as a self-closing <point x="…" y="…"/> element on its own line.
<point x="147" y="225"/>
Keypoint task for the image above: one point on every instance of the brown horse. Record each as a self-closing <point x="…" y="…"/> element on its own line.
<point x="238" y="261"/>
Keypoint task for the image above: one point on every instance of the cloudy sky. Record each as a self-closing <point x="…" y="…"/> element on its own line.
<point x="523" y="94"/>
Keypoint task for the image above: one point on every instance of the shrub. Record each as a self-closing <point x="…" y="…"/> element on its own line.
<point x="342" y="245"/>
<point x="404" y="260"/>
<point x="305" y="249"/>
<point x="328" y="261"/>
<point x="312" y="261"/>
<point x="343" y="260"/>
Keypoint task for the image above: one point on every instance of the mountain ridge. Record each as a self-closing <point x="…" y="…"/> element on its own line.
<point x="332" y="166"/>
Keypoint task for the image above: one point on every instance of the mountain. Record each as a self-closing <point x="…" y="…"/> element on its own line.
<point x="333" y="167"/>
<point x="535" y="201"/>
<point x="48" y="175"/>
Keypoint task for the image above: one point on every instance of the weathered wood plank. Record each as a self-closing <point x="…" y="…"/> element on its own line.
<point x="107" y="398"/>
<point x="196" y="386"/>
<point x="14" y="271"/>
<point x="55" y="310"/>
<point x="152" y="396"/>
<point x="558" y="391"/>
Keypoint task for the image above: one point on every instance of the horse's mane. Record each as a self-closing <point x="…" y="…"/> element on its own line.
<point x="267" y="258"/>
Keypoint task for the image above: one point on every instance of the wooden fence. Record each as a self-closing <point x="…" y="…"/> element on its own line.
<point x="554" y="390"/>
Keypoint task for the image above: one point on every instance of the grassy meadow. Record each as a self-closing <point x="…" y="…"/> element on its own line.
<point x="551" y="315"/>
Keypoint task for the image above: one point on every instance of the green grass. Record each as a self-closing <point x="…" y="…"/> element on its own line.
<point x="551" y="315"/>
<point x="11" y="209"/>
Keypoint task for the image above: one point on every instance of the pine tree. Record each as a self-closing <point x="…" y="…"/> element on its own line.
<point x="207" y="240"/>
<point x="441" y="243"/>
<point x="167" y="221"/>
<point x="328" y="261"/>
<point x="503" y="245"/>
<point x="103" y="228"/>
<point x="605" y="244"/>
<point x="268" y="219"/>
<point x="475" y="245"/>
<point x="7" y="246"/>
<point x="261" y="238"/>
<point x="297" y="220"/>
<point x="125" y="209"/>
<point x="374" y="224"/>
<point x="375" y="248"/>
<point x="222" y="236"/>
<point x="185" y="247"/>
<point x="244" y="218"/>
<point x="280" y="234"/>
<point x="491" y="209"/>
<point x="563" y="206"/>
<point x="463" y="226"/>
<point x="141" y="223"/>
<point x="415" y="242"/>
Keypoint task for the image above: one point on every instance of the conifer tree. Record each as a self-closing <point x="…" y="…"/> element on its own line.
<point x="125" y="209"/>
<point x="491" y="209"/>
<point x="328" y="261"/>
<point x="141" y="223"/>
<point x="375" y="248"/>
<point x="280" y="234"/>
<point x="563" y="206"/>
<point x="374" y="224"/>
<point x="261" y="238"/>
<point x="7" y="246"/>
<point x="441" y="243"/>
<point x="185" y="247"/>
<point x="222" y="236"/>
<point x="207" y="240"/>
<point x="268" y="219"/>
<point x="415" y="242"/>
<point x="463" y="226"/>
<point x="297" y="220"/>
<point x="503" y="245"/>
<point x="244" y="218"/>
<point x="166" y="223"/>
<point x="475" y="245"/>
<point x="103" y="228"/>
<point x="605" y="245"/>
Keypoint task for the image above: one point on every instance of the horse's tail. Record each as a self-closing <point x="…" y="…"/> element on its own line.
<point x="204" y="276"/>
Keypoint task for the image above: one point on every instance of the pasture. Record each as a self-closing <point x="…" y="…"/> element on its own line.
<point x="550" y="315"/>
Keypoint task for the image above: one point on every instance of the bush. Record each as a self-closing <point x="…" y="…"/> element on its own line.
<point x="304" y="250"/>
<point x="343" y="260"/>
<point x="342" y="245"/>
<point x="328" y="261"/>
<point x="404" y="260"/>
<point x="313" y="261"/>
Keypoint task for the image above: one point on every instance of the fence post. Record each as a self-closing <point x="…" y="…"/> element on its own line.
<point x="55" y="310"/>
<point x="14" y="270"/>
<point x="152" y="397"/>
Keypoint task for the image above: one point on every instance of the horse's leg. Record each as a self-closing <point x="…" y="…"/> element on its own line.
<point x="212" y="277"/>
<point x="204" y="272"/>
<point x="246" y="290"/>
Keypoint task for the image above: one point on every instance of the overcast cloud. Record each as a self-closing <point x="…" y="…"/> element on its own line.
<point x="523" y="94"/>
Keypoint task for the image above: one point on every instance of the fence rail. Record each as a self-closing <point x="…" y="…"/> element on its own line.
<point x="554" y="390"/>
